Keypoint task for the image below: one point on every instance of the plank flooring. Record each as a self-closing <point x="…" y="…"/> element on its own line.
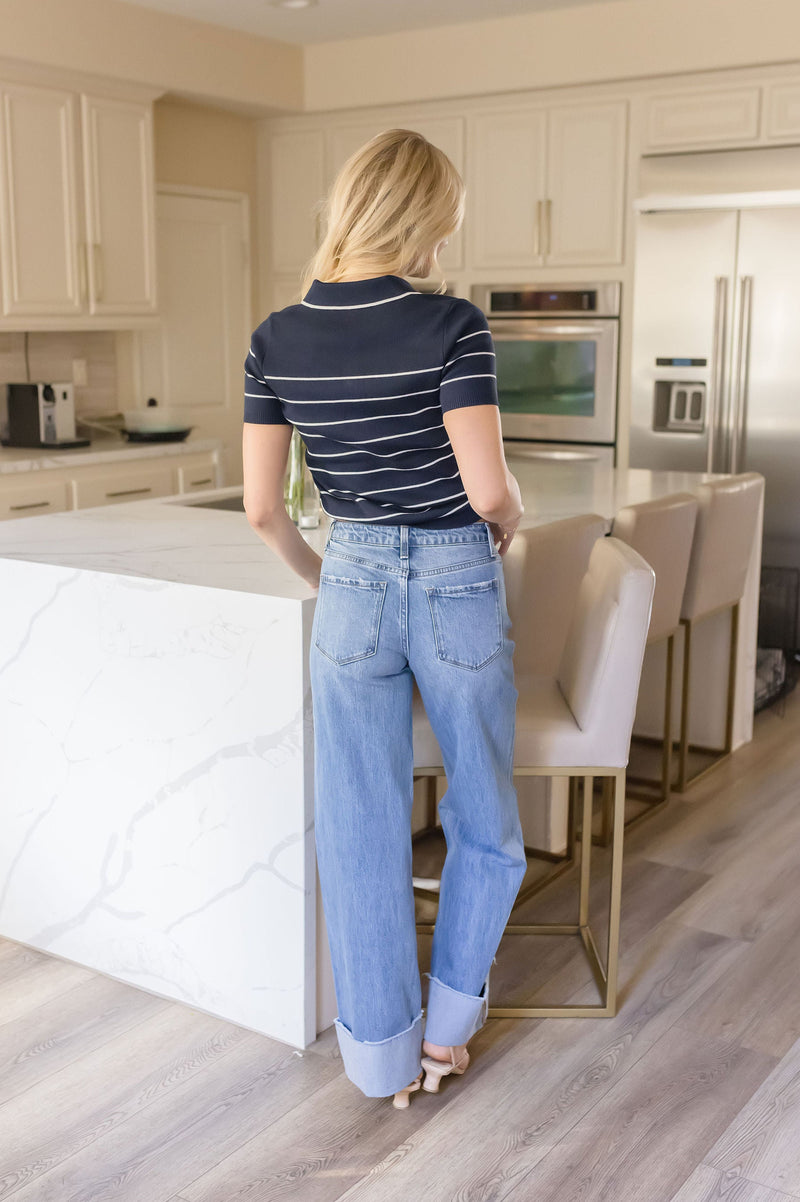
<point x="691" y="1093"/>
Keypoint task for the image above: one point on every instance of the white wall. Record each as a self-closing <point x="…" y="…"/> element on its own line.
<point x="622" y="39"/>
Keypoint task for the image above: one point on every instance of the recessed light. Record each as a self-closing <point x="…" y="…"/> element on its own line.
<point x="293" y="3"/>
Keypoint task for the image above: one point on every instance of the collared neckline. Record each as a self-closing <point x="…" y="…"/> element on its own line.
<point x="356" y="294"/>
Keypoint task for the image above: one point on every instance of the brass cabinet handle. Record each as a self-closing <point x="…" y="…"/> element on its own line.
<point x="537" y="240"/>
<point x="82" y="273"/>
<point x="197" y="483"/>
<point x="31" y="505"/>
<point x="128" y="492"/>
<point x="99" y="282"/>
<point x="548" y="209"/>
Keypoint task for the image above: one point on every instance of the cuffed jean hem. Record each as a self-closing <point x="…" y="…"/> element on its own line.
<point x="383" y="1067"/>
<point x="452" y="1018"/>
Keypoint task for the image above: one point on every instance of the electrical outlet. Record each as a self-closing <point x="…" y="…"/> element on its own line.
<point x="79" y="373"/>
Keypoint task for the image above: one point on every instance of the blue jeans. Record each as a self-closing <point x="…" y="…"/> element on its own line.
<point x="392" y="602"/>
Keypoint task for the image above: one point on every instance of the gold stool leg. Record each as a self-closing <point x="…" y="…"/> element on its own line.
<point x="683" y="779"/>
<point x="684" y="737"/>
<point x="615" y="894"/>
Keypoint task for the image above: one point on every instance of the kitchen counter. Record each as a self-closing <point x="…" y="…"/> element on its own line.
<point x="157" y="742"/>
<point x="111" y="448"/>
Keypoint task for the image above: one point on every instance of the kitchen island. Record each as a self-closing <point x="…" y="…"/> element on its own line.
<point x="157" y="742"/>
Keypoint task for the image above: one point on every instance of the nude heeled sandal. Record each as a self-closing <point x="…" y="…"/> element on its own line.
<point x="400" y="1100"/>
<point x="436" y="1069"/>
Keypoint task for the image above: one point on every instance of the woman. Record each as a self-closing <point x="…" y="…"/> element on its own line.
<point x="394" y="394"/>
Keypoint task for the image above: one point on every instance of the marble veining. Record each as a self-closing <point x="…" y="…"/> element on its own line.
<point x="102" y="450"/>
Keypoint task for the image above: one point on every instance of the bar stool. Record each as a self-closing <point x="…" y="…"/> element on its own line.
<point x="542" y="570"/>
<point x="662" y="532"/>
<point x="577" y="723"/>
<point x="727" y="517"/>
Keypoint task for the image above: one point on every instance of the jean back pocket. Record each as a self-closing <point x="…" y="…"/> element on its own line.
<point x="348" y="617"/>
<point x="467" y="622"/>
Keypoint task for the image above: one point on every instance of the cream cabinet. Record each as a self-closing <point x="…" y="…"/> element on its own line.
<point x="708" y="118"/>
<point x="51" y="490"/>
<point x="547" y="186"/>
<point x="782" y="111"/>
<point x="77" y="198"/>
<point x="297" y="183"/>
<point x="36" y="495"/>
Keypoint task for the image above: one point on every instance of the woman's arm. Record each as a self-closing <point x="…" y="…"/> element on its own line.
<point x="476" y="438"/>
<point x="265" y="451"/>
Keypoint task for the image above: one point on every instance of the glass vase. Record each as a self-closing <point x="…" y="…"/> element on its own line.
<point x="300" y="494"/>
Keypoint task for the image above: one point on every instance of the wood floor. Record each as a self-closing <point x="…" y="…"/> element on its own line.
<point x="691" y="1093"/>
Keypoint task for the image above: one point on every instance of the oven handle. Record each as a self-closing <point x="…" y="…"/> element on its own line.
<point x="553" y="329"/>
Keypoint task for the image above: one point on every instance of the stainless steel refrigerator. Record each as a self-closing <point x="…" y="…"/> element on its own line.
<point x="716" y="348"/>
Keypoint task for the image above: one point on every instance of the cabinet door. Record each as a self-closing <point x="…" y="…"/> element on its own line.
<point x="585" y="184"/>
<point x="39" y="232"/>
<point x="297" y="186"/>
<point x="119" y="194"/>
<point x="506" y="188"/>
<point x="197" y="475"/>
<point x="446" y="132"/>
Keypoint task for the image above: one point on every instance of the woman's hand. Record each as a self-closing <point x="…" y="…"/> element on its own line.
<point x="502" y="535"/>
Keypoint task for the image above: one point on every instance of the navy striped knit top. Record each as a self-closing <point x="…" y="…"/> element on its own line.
<point x="365" y="370"/>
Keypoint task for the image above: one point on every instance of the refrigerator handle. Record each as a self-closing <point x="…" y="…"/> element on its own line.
<point x="718" y="361"/>
<point x="742" y="374"/>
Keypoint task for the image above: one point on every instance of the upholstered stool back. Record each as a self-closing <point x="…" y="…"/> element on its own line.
<point x="662" y="532"/>
<point x="726" y="523"/>
<point x="600" y="666"/>
<point x="543" y="569"/>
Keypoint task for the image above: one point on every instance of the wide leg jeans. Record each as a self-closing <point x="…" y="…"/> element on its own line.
<point x="396" y="602"/>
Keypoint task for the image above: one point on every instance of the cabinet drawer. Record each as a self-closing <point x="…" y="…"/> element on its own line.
<point x="194" y="477"/>
<point x="702" y="118"/>
<point x="127" y="485"/>
<point x="26" y="500"/>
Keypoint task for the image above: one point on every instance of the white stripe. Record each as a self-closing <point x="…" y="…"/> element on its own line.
<point x="376" y="454"/>
<point x="458" y="379"/>
<point x="257" y="379"/>
<point x="420" y="371"/>
<point x="370" y="471"/>
<point x="377" y="417"/>
<point x="470" y="355"/>
<point x="385" y="437"/>
<point x="400" y="487"/>
<point x="383" y="516"/>
<point x="262" y="396"/>
<point x="421" y="505"/>
<point x="455" y="510"/>
<point x="346" y="400"/>
<point x="367" y="305"/>
<point x="474" y="335"/>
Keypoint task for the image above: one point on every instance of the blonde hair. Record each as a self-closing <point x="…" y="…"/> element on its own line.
<point x="391" y="204"/>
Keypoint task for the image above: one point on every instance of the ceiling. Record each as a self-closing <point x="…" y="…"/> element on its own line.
<point x="331" y="20"/>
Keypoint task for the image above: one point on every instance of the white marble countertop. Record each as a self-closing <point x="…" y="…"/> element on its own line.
<point x="169" y="539"/>
<point x="109" y="448"/>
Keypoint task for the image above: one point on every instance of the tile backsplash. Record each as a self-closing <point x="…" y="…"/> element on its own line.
<point x="50" y="355"/>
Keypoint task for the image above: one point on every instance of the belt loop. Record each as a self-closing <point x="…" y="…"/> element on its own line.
<point x="404" y="543"/>
<point x="492" y="548"/>
<point x="330" y="533"/>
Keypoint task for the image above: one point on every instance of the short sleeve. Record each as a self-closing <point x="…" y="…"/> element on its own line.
<point x="261" y="405"/>
<point x="469" y="376"/>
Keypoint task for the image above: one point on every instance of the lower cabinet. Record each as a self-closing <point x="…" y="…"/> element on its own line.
<point x="131" y="484"/>
<point x="54" y="490"/>
<point x="34" y="496"/>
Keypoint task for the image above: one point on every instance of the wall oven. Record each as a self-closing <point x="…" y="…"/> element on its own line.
<point x="557" y="352"/>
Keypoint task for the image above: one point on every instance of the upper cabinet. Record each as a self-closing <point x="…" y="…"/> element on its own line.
<point x="119" y="192"/>
<point x="708" y="118"/>
<point x="77" y="199"/>
<point x="297" y="183"/>
<point x="547" y="186"/>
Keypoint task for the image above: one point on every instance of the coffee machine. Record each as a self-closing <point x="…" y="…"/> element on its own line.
<point x="39" y="415"/>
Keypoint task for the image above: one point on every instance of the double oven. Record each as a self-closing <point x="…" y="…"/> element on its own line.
<point x="557" y="353"/>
